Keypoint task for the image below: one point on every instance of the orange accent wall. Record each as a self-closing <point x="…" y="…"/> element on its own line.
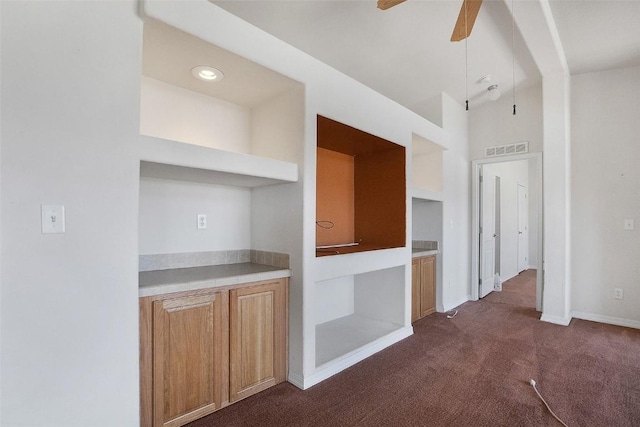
<point x="361" y="187"/>
<point x="334" y="197"/>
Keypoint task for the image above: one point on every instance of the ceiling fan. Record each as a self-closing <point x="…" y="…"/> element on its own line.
<point x="470" y="8"/>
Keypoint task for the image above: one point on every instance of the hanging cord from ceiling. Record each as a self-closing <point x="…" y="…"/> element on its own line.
<point x="466" y="59"/>
<point x="513" y="55"/>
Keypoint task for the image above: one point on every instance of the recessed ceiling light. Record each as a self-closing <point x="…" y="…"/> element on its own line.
<point x="207" y="73"/>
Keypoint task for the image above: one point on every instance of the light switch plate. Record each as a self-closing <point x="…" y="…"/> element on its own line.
<point x="52" y="219"/>
<point x="628" y="224"/>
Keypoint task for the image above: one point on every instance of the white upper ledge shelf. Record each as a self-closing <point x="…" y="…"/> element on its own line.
<point x="164" y="159"/>
<point x="419" y="193"/>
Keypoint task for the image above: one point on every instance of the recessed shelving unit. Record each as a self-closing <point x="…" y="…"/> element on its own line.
<point x="426" y="171"/>
<point x="226" y="149"/>
<point x="352" y="312"/>
<point x="360" y="190"/>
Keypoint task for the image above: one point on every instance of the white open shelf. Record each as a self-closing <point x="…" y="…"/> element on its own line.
<point x="340" y="337"/>
<point x="161" y="158"/>
<point x="353" y="312"/>
<point x="419" y="193"/>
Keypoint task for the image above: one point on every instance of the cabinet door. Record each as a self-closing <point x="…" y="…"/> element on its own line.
<point x="427" y="285"/>
<point x="415" y="289"/>
<point x="187" y="358"/>
<point x="258" y="334"/>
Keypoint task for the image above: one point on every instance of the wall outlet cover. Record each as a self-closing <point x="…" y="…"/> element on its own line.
<point x="202" y="222"/>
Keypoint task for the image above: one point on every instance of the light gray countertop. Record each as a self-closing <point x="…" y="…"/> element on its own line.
<point x="419" y="252"/>
<point x="160" y="282"/>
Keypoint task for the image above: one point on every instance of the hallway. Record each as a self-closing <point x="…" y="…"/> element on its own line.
<point x="519" y="290"/>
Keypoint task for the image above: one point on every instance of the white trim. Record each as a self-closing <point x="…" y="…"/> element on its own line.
<point x="618" y="321"/>
<point x="296" y="379"/>
<point x="475" y="218"/>
<point x="458" y="303"/>
<point x="564" y="321"/>
<point x="533" y="267"/>
<point x="362" y="353"/>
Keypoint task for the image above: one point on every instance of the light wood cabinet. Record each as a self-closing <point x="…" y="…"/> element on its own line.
<point x="187" y="358"/>
<point x="258" y="339"/>
<point x="202" y="350"/>
<point x="423" y="287"/>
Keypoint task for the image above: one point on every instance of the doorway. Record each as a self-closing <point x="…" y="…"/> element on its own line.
<point x="507" y="223"/>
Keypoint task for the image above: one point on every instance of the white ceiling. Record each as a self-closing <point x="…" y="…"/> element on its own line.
<point x="170" y="54"/>
<point x="598" y="35"/>
<point x="405" y="53"/>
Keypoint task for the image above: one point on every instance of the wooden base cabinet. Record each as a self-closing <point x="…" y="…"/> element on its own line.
<point x="202" y="350"/>
<point x="258" y="339"/>
<point x="423" y="287"/>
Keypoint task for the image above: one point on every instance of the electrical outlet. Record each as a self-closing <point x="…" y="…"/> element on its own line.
<point x="202" y="222"/>
<point x="618" y="293"/>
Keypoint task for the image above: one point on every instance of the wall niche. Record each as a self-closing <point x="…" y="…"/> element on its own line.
<point x="360" y="191"/>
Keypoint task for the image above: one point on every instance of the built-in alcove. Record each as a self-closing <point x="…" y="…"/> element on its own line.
<point x="360" y="190"/>
<point x="426" y="171"/>
<point x="220" y="148"/>
<point x="354" y="311"/>
<point x="427" y="225"/>
<point x="252" y="110"/>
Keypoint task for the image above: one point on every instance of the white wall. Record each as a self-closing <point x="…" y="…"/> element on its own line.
<point x="168" y="212"/>
<point x="334" y="299"/>
<point x="178" y="114"/>
<point x="511" y="175"/>
<point x="456" y="247"/>
<point x="493" y="123"/>
<point x="606" y="190"/>
<point x="556" y="90"/>
<point x="278" y="131"/>
<point x="70" y="302"/>
<point x="69" y="310"/>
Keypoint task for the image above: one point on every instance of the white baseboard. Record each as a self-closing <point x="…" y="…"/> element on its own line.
<point x="607" y="319"/>
<point x="533" y="266"/>
<point x="455" y="304"/>
<point x="331" y="368"/>
<point x="296" y="379"/>
<point x="558" y="320"/>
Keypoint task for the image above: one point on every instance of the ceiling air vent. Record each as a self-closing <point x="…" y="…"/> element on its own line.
<point x="505" y="150"/>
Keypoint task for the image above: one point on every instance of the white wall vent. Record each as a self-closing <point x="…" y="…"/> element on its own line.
<point x="505" y="150"/>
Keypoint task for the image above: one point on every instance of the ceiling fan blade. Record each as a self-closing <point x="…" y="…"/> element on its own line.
<point x="386" y="4"/>
<point x="472" y="8"/>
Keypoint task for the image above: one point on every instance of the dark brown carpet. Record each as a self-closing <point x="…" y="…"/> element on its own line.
<point x="519" y="290"/>
<point x="472" y="370"/>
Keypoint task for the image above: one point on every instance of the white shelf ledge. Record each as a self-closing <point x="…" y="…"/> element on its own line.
<point x="339" y="338"/>
<point x="164" y="159"/>
<point x="419" y="193"/>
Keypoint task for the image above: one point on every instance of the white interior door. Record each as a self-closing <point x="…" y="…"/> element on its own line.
<point x="487" y="231"/>
<point x="523" y="228"/>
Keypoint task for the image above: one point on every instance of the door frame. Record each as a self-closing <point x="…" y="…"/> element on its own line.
<point x="487" y="236"/>
<point x="524" y="231"/>
<point x="475" y="220"/>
